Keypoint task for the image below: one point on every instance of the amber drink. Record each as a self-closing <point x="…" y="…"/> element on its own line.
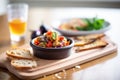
<point x="17" y="21"/>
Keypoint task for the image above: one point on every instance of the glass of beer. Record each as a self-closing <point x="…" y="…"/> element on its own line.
<point x="17" y="20"/>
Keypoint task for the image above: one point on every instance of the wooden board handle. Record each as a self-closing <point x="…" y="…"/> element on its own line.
<point x="2" y="60"/>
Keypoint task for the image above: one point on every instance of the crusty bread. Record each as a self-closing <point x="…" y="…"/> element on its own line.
<point x="19" y="54"/>
<point x="91" y="36"/>
<point x="96" y="44"/>
<point x="94" y="36"/>
<point x="87" y="39"/>
<point x="83" y="42"/>
<point x="21" y="59"/>
<point x="23" y="63"/>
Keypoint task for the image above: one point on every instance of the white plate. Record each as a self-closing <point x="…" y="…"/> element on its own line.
<point x="78" y="33"/>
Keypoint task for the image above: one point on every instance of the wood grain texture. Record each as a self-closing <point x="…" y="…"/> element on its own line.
<point x="46" y="67"/>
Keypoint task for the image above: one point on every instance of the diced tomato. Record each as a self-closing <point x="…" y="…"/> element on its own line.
<point x="49" y="44"/>
<point x="36" y="42"/>
<point x="61" y="38"/>
<point x="49" y="33"/>
<point x="67" y="43"/>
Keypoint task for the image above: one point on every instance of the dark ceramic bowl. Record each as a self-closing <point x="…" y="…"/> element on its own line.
<point x="52" y="53"/>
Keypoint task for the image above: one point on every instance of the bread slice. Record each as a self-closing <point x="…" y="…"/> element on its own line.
<point x="83" y="42"/>
<point x="23" y="63"/>
<point x="19" y="54"/>
<point x="96" y="44"/>
<point x="94" y="36"/>
<point x="91" y="36"/>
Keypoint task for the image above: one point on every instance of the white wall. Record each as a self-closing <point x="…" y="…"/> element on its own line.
<point x="71" y="3"/>
<point x="3" y="4"/>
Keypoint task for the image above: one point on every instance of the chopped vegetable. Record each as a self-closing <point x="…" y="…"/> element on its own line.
<point x="36" y="41"/>
<point x="51" y="39"/>
<point x="49" y="44"/>
<point x="54" y="35"/>
<point x="61" y="38"/>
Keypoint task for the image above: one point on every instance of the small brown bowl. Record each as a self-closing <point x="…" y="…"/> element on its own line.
<point x="52" y="53"/>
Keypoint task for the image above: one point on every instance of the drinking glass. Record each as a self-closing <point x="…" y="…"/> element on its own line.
<point x="17" y="20"/>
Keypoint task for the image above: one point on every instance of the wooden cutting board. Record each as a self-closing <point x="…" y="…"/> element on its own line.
<point x="46" y="67"/>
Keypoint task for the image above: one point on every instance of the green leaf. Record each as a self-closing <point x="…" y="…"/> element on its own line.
<point x="88" y="22"/>
<point x="92" y="24"/>
<point x="98" y="24"/>
<point x="54" y="35"/>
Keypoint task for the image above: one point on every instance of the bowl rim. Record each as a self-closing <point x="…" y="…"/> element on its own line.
<point x="60" y="48"/>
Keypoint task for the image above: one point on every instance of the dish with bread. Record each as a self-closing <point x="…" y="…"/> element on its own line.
<point x="36" y="60"/>
<point x="24" y="59"/>
<point x="81" y="26"/>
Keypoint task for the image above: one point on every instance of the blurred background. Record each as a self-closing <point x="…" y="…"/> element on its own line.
<point x="71" y="3"/>
<point x="48" y="10"/>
